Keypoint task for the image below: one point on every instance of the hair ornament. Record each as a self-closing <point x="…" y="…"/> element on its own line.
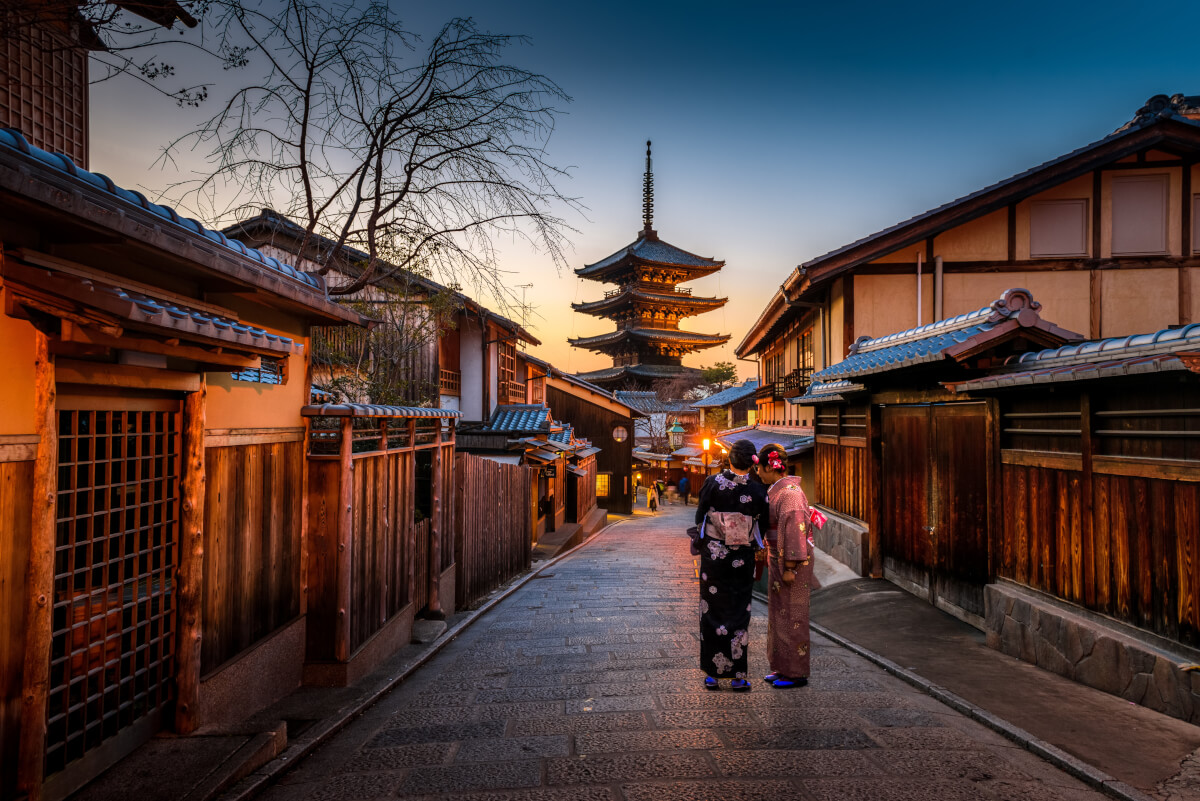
<point x="754" y="458"/>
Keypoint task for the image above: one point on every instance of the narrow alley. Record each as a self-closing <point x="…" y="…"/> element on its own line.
<point x="584" y="685"/>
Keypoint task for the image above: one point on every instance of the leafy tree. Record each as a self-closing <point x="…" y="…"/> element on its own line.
<point x="721" y="375"/>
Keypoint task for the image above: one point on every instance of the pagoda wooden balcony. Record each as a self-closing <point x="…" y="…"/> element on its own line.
<point x="796" y="382"/>
<point x="450" y="382"/>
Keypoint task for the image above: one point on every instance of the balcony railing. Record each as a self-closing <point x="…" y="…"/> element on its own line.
<point x="796" y="382"/>
<point x="512" y="392"/>
<point x="765" y="392"/>
<point x="450" y="382"/>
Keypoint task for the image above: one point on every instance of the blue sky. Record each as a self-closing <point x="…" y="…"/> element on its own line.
<point x="781" y="130"/>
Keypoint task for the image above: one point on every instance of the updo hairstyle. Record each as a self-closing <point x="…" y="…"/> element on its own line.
<point x="764" y="456"/>
<point x="742" y="455"/>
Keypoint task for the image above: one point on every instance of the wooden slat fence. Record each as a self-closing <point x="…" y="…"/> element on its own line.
<point x="251" y="546"/>
<point x="493" y="508"/>
<point x="842" y="478"/>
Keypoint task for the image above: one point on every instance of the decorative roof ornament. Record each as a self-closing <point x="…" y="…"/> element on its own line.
<point x="1159" y="107"/>
<point x="648" y="195"/>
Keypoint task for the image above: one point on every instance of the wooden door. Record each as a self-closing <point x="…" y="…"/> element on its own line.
<point x="117" y="545"/>
<point x="935" y="499"/>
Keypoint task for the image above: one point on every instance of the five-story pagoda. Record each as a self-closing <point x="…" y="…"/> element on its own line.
<point x="647" y="306"/>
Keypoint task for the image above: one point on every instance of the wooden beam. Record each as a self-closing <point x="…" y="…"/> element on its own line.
<point x="1087" y="536"/>
<point x="189" y="579"/>
<point x="1097" y="213"/>
<point x="212" y="356"/>
<point x="18" y="447"/>
<point x="39" y="577"/>
<point x="874" y="468"/>
<point x="229" y="437"/>
<point x="1012" y="232"/>
<point x="124" y="375"/>
<point x="435" y="538"/>
<point x="345" y="529"/>
<point x="1096" y="305"/>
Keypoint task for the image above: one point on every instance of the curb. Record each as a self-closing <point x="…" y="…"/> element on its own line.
<point x="260" y="780"/>
<point x="1088" y="774"/>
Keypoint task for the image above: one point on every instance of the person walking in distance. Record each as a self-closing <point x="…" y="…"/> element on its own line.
<point x="684" y="487"/>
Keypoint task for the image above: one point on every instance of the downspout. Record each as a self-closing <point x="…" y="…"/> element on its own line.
<point x="920" y="262"/>
<point x="938" y="296"/>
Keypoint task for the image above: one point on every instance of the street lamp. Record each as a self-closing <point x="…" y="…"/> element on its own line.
<point x="707" y="443"/>
<point x="675" y="436"/>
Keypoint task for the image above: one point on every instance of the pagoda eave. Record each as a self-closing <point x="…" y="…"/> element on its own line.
<point x="682" y="340"/>
<point x="609" y="273"/>
<point x="683" y="305"/>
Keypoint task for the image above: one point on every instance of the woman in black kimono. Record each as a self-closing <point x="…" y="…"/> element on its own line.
<point x="727" y="571"/>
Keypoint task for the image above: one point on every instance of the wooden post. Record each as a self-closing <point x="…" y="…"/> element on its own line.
<point x="1087" y="533"/>
<point x="189" y="579"/>
<point x="39" y="579"/>
<point x="409" y="494"/>
<point x="435" y="535"/>
<point x="341" y="628"/>
<point x="874" y="467"/>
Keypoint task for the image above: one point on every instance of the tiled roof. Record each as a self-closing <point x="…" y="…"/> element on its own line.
<point x="520" y="417"/>
<point x="827" y="392"/>
<point x="12" y="140"/>
<point x="933" y="342"/>
<point x="687" y="451"/>
<point x="651" y="249"/>
<point x="1105" y="358"/>
<point x="650" y="334"/>
<point x="630" y="296"/>
<point x="646" y="371"/>
<point x="563" y="436"/>
<point x="374" y="410"/>
<point x="793" y="442"/>
<point x="729" y="395"/>
<point x="648" y="402"/>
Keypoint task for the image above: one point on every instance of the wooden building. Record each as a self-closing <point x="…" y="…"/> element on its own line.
<point x="151" y="460"/>
<point x="598" y="416"/>
<point x="1040" y="487"/>
<point x="464" y="357"/>
<point x="737" y="405"/>
<point x="1106" y="236"/>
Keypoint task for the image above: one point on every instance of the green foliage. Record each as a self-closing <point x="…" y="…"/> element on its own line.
<point x="720" y="376"/>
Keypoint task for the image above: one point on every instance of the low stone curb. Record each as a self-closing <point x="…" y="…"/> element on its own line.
<point x="1089" y="774"/>
<point x="259" y="781"/>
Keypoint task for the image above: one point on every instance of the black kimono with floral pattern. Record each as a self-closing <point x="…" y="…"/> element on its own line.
<point x="727" y="575"/>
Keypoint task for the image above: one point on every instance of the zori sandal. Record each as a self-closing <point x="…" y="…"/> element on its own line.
<point x="783" y="682"/>
<point x="711" y="684"/>
<point x="770" y="677"/>
<point x="739" y="685"/>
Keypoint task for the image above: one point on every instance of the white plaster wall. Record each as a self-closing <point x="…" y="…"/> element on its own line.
<point x="471" y="362"/>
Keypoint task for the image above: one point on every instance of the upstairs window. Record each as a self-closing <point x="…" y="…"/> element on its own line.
<point x="1139" y="215"/>
<point x="1058" y="228"/>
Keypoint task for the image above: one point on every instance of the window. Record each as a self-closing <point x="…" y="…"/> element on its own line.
<point x="271" y="372"/>
<point x="508" y="357"/>
<point x="603" y="484"/>
<point x="804" y="350"/>
<point x="1139" y="215"/>
<point x="1058" y="228"/>
<point x="620" y="433"/>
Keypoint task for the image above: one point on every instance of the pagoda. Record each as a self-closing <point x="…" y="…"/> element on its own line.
<point x="647" y="305"/>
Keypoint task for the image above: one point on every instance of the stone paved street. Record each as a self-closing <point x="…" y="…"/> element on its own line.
<point x="584" y="685"/>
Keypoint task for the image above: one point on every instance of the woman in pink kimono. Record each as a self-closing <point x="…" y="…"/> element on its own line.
<point x="789" y="571"/>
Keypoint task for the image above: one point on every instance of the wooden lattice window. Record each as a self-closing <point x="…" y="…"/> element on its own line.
<point x="603" y="484"/>
<point x="112" y="654"/>
<point x="508" y="362"/>
<point x="804" y="350"/>
<point x="43" y="91"/>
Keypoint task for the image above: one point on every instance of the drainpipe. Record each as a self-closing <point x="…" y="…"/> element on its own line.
<point x="938" y="296"/>
<point x="920" y="261"/>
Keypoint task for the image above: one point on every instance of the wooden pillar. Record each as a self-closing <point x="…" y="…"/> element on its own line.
<point x="874" y="457"/>
<point x="345" y="529"/>
<point x="1087" y="535"/>
<point x="409" y="492"/>
<point x="39" y="579"/>
<point x="189" y="579"/>
<point x="435" y="535"/>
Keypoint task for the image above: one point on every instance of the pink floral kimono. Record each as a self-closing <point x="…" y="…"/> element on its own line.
<point x="787" y="607"/>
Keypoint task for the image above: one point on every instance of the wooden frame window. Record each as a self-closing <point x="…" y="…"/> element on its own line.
<point x="508" y="360"/>
<point x="1139" y="214"/>
<point x="1058" y="228"/>
<point x="603" y="484"/>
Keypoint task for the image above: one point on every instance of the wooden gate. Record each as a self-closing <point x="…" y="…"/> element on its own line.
<point x="112" y="647"/>
<point x="935" y="498"/>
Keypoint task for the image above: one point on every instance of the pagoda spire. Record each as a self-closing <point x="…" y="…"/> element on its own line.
<point x="648" y="196"/>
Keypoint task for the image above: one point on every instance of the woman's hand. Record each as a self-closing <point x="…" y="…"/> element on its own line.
<point x="789" y="576"/>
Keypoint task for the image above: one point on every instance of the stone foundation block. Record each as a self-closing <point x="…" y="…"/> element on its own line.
<point x="845" y="539"/>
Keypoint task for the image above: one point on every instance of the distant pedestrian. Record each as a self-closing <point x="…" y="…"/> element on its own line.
<point x="652" y="497"/>
<point x="684" y="487"/>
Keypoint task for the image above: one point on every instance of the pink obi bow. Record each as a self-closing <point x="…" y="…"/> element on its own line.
<point x="816" y="518"/>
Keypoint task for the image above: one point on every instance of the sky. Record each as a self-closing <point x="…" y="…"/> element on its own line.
<point x="781" y="130"/>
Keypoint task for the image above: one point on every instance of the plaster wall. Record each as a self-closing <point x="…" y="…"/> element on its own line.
<point x="885" y="304"/>
<point x="984" y="239"/>
<point x="905" y="255"/>
<point x="837" y="320"/>
<point x="471" y="359"/>
<point x="1065" y="296"/>
<point x="1138" y="301"/>
<point x="16" y="390"/>
<point x="242" y="404"/>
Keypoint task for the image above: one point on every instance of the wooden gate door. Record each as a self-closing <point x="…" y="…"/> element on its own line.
<point x="112" y="646"/>
<point x="935" y="491"/>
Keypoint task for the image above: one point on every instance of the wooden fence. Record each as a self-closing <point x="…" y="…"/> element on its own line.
<point x="843" y="477"/>
<point x="493" y="506"/>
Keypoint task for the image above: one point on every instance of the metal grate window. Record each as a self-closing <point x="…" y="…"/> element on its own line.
<point x="112" y="652"/>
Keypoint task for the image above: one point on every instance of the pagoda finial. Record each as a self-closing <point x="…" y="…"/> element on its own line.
<point x="648" y="196"/>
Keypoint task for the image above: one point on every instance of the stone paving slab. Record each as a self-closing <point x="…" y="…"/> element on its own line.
<point x="584" y="685"/>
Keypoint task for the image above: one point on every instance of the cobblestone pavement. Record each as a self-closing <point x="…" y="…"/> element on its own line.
<point x="584" y="685"/>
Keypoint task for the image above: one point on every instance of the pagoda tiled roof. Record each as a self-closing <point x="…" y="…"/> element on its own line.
<point x="649" y="249"/>
<point x="651" y="335"/>
<point x="648" y="402"/>
<point x="645" y="372"/>
<point x="632" y="295"/>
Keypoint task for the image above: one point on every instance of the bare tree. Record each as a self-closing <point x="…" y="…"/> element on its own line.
<point x="417" y="155"/>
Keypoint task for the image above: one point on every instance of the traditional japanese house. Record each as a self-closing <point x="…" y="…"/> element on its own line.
<point x="598" y="416"/>
<point x="647" y="306"/>
<point x="152" y="465"/>
<point x="460" y="355"/>
<point x="1042" y="488"/>
<point x="655" y="416"/>
<point x="736" y="404"/>
<point x="797" y="444"/>
<point x="1105" y="235"/>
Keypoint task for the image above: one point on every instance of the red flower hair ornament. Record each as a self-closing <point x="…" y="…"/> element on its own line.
<point x="775" y="462"/>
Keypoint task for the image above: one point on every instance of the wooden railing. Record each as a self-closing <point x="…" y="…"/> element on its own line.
<point x="512" y="392"/>
<point x="796" y="382"/>
<point x="765" y="392"/>
<point x="450" y="382"/>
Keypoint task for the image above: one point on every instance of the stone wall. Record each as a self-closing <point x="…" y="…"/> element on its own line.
<point x="1091" y="651"/>
<point x="845" y="539"/>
